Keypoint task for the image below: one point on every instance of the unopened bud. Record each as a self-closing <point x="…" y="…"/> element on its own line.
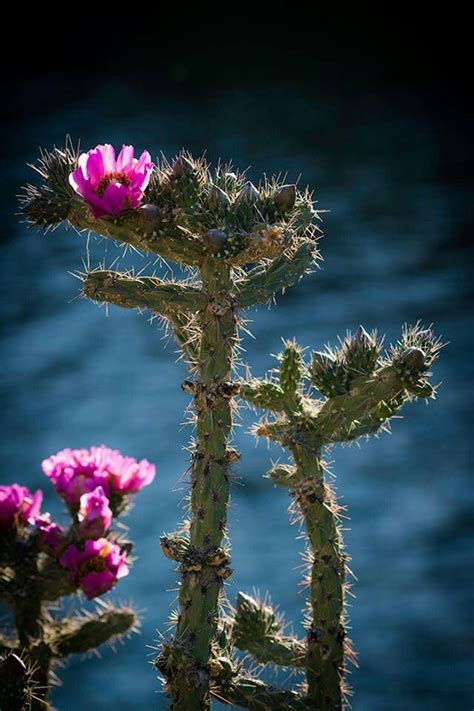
<point x="321" y="363"/>
<point x="218" y="198"/>
<point x="413" y="358"/>
<point x="285" y="197"/>
<point x="249" y="192"/>
<point x="182" y="166"/>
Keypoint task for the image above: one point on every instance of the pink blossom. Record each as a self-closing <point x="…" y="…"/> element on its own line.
<point x="95" y="515"/>
<point x="96" y="568"/>
<point x="51" y="535"/>
<point x="111" y="185"/>
<point x="127" y="476"/>
<point x="75" y="472"/>
<point x="18" y="505"/>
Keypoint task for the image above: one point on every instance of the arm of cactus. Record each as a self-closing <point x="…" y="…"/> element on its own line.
<point x="78" y="635"/>
<point x="129" y="292"/>
<point x="257" y="630"/>
<point x="262" y="282"/>
<point x="143" y="229"/>
<point x="373" y="399"/>
<point x="256" y="695"/>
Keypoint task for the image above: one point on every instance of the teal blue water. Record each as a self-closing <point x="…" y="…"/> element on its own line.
<point x="73" y="375"/>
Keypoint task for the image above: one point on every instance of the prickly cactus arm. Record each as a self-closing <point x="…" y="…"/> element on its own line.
<point x="262" y="282"/>
<point x="79" y="635"/>
<point x="254" y="694"/>
<point x="326" y="633"/>
<point x="256" y="629"/>
<point x="372" y="399"/>
<point x="157" y="295"/>
<point x="201" y="583"/>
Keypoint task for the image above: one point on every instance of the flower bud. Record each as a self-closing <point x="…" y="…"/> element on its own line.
<point x="285" y="197"/>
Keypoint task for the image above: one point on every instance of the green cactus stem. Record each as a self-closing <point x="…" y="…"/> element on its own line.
<point x="143" y="293"/>
<point x="256" y="695"/>
<point x="78" y="635"/>
<point x="258" y="630"/>
<point x="362" y="392"/>
<point x="261" y="283"/>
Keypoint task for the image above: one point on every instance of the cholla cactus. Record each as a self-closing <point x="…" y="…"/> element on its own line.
<point x="361" y="391"/>
<point x="41" y="563"/>
<point x="241" y="244"/>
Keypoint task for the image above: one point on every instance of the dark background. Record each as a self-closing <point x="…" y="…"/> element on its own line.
<point x="369" y="108"/>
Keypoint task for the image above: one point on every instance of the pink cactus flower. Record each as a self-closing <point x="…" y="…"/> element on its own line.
<point x="96" y="568"/>
<point x="127" y="476"/>
<point x="108" y="184"/>
<point x="95" y="515"/>
<point x="50" y="535"/>
<point x="18" y="506"/>
<point x="74" y="472"/>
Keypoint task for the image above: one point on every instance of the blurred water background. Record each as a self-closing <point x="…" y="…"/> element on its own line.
<point x="391" y="175"/>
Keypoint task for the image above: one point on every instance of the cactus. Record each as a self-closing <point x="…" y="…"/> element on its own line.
<point x="241" y="244"/>
<point x="362" y="390"/>
<point x="41" y="563"/>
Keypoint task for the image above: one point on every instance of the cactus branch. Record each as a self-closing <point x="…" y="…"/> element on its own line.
<point x="257" y="630"/>
<point x="78" y="635"/>
<point x="201" y="583"/>
<point x="362" y="392"/>
<point x="151" y="293"/>
<point x="263" y="281"/>
<point x="256" y="695"/>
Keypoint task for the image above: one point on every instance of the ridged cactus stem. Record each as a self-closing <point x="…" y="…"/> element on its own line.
<point x="325" y="640"/>
<point x="201" y="585"/>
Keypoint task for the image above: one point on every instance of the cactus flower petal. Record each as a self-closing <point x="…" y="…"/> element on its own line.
<point x="18" y="505"/>
<point x="94" y="514"/>
<point x="96" y="568"/>
<point x="108" y="184"/>
<point x="74" y="472"/>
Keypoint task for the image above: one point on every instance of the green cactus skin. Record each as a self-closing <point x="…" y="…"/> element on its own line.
<point x="362" y="392"/>
<point x="217" y="224"/>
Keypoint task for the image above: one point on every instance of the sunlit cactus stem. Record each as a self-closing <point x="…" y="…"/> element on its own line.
<point x="326" y="632"/>
<point x="362" y="390"/>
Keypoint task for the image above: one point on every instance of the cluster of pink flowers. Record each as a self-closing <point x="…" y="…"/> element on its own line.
<point x="108" y="184"/>
<point x="74" y="472"/>
<point x="85" y="479"/>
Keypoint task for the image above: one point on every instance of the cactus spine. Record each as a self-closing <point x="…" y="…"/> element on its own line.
<point x="241" y="244"/>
